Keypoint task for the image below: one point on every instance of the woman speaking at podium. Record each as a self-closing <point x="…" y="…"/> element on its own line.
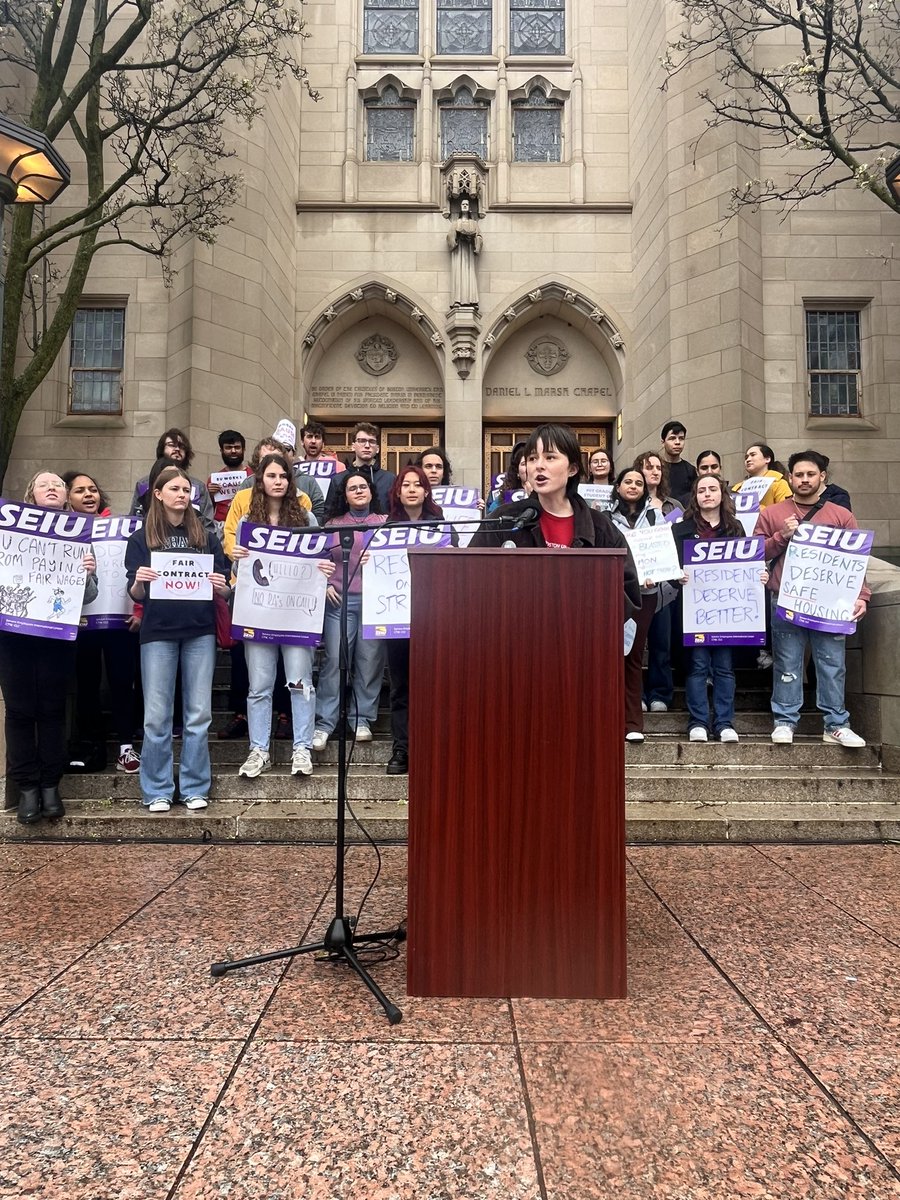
<point x="554" y="516"/>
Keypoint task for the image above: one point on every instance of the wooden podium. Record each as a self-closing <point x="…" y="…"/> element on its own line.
<point x="517" y="774"/>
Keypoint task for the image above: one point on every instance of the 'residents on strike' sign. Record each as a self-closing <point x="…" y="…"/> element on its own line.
<point x="823" y="573"/>
<point x="41" y="577"/>
<point x="386" y="603"/>
<point x="280" y="592"/>
<point x="724" y="598"/>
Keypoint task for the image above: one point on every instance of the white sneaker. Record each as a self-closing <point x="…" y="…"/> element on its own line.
<point x="728" y="735"/>
<point x="196" y="802"/>
<point x="764" y="660"/>
<point x="844" y="737"/>
<point x="159" y="805"/>
<point x="634" y="736"/>
<point x="698" y="734"/>
<point x="320" y="738"/>
<point x="643" y="706"/>
<point x="301" y="763"/>
<point x="783" y="735"/>
<point x="658" y="706"/>
<point x="363" y="732"/>
<point x="256" y="762"/>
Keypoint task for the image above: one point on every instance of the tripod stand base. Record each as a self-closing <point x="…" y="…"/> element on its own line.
<point x="338" y="944"/>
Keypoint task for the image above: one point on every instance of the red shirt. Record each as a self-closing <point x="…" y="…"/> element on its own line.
<point x="558" y="532"/>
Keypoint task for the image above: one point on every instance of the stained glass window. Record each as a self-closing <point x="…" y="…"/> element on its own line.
<point x="391" y="27"/>
<point x="464" y="125"/>
<point x="464" y="27"/>
<point x="389" y="127"/>
<point x="833" y="361"/>
<point x="537" y="129"/>
<point x="96" y="359"/>
<point x="537" y="27"/>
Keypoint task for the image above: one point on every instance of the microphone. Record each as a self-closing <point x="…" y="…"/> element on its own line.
<point x="527" y="517"/>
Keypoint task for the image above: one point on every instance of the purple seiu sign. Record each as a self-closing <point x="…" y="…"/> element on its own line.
<point x="460" y="506"/>
<point x="724" y="600"/>
<point x="824" y="572"/>
<point x="386" y="603"/>
<point x="113" y="607"/>
<point x="279" y="595"/>
<point x="41" y="577"/>
<point x="746" y="507"/>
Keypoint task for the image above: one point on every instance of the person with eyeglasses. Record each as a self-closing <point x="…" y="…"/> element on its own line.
<point x="175" y="446"/>
<point x="365" y="440"/>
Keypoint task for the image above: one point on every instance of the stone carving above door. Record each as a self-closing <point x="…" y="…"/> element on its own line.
<point x="547" y="355"/>
<point x="377" y="355"/>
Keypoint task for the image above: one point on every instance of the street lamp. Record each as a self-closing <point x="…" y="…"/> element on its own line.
<point x="892" y="177"/>
<point x="31" y="170"/>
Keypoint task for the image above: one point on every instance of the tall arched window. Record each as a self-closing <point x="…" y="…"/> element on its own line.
<point x="537" y="128"/>
<point x="390" y="124"/>
<point x="464" y="26"/>
<point x="391" y="26"/>
<point x="537" y="26"/>
<point x="464" y="124"/>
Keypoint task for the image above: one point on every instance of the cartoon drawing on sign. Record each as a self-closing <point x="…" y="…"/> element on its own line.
<point x="59" y="604"/>
<point x="14" y="600"/>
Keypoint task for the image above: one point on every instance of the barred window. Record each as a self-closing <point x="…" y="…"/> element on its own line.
<point x="390" y="123"/>
<point x="537" y="128"/>
<point x="537" y="26"/>
<point x="464" y="125"/>
<point x="464" y="26"/>
<point x="833" y="362"/>
<point x="391" y="27"/>
<point x="96" y="360"/>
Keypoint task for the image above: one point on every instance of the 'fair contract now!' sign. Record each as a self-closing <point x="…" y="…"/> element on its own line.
<point x="724" y="598"/>
<point x="386" y="580"/>
<point x="280" y="592"/>
<point x="824" y="571"/>
<point x="41" y="577"/>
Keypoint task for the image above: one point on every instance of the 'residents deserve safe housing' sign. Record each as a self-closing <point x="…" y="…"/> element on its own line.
<point x="386" y="602"/>
<point x="823" y="573"/>
<point x="280" y="592"/>
<point x="41" y="577"/>
<point x="724" y="598"/>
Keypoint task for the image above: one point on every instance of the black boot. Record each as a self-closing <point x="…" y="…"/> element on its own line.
<point x="51" y="803"/>
<point x="399" y="763"/>
<point x="29" y="806"/>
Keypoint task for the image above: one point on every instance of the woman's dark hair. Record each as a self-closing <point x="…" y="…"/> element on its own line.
<point x="70" y="477"/>
<point x="563" y="439"/>
<point x="629" y="506"/>
<point x="156" y="525"/>
<point x="642" y="460"/>
<point x="396" y="511"/>
<point x="511" y="481"/>
<point x="337" y="505"/>
<point x="705" y="454"/>
<point x="769" y="455"/>
<point x="728" y="522"/>
<point x="291" y="511"/>
<point x="176" y="435"/>
<point x="441" y="453"/>
<point x="158" y="466"/>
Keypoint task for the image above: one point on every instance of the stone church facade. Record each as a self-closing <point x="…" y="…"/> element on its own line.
<point x="495" y="215"/>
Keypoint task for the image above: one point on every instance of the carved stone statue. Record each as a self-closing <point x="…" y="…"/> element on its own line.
<point x="465" y="243"/>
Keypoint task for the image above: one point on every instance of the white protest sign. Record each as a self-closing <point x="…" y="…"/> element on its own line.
<point x="597" y="495"/>
<point x="823" y="573"/>
<point x="113" y="606"/>
<point x="227" y="483"/>
<point x="757" y="486"/>
<point x="41" y="578"/>
<point x="724" y="598"/>
<point x="746" y="510"/>
<point x="654" y="553"/>
<point x="459" y="504"/>
<point x="386" y="594"/>
<point x="323" y="470"/>
<point x="280" y="591"/>
<point x="183" y="575"/>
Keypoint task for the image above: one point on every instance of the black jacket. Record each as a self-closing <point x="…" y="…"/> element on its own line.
<point x="593" y="531"/>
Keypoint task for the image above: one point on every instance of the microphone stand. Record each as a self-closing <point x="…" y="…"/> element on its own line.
<point x="339" y="939"/>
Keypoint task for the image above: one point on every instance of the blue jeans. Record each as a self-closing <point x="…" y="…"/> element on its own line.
<point x="706" y="661"/>
<point x="828" y="653"/>
<point x="658" y="684"/>
<point x="159" y="666"/>
<point x="366" y="660"/>
<point x="262" y="664"/>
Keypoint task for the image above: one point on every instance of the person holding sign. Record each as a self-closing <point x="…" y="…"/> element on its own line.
<point x="351" y="501"/>
<point x="274" y="502"/>
<point x="761" y="465"/>
<point x="660" y="687"/>
<point x="410" y="500"/>
<point x="710" y="514"/>
<point x="176" y="630"/>
<point x="34" y="676"/>
<point x="515" y="480"/>
<point x="779" y="524"/>
<point x="633" y="510"/>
